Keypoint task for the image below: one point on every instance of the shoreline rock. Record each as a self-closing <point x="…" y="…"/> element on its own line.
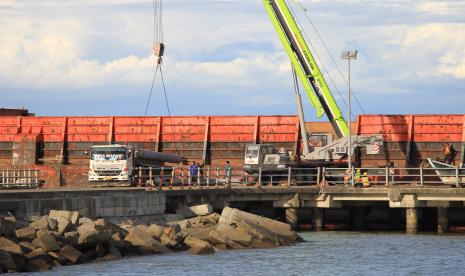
<point x="65" y="238"/>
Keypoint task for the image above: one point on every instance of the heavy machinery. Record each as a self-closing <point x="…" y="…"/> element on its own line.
<point x="120" y="163"/>
<point x="306" y="69"/>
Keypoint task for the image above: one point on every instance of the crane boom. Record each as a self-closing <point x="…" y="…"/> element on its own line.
<point x="305" y="65"/>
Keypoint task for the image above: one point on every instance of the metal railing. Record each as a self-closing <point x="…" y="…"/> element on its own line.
<point x="19" y="178"/>
<point x="320" y="176"/>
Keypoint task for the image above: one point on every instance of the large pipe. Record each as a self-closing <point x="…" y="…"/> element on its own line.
<point x="158" y="156"/>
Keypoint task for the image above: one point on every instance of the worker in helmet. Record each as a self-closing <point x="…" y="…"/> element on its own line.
<point x="358" y="178"/>
<point x="365" y="180"/>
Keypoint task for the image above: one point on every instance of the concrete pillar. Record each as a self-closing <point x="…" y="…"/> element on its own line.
<point x="358" y="218"/>
<point x="443" y="220"/>
<point x="291" y="217"/>
<point x="411" y="221"/>
<point x="318" y="219"/>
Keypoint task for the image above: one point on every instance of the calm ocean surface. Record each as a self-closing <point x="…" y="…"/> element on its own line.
<point x="324" y="253"/>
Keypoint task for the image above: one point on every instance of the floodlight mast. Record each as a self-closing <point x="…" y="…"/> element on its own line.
<point x="349" y="55"/>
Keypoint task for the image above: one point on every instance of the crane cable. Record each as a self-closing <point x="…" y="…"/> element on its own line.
<point x="158" y="50"/>
<point x="328" y="52"/>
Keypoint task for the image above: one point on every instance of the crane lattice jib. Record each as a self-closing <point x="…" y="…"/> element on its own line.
<point x="302" y="60"/>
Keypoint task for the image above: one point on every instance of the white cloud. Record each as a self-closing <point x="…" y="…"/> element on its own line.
<point x="227" y="49"/>
<point x="441" y="7"/>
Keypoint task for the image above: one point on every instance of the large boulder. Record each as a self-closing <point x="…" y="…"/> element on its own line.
<point x="47" y="242"/>
<point x="10" y="246"/>
<point x="270" y="232"/>
<point x="202" y="233"/>
<point x="199" y="221"/>
<point x="64" y="224"/>
<point x="27" y="234"/>
<point x="6" y="262"/>
<point x="27" y="246"/>
<point x="156" y="231"/>
<point x="71" y="238"/>
<point x="7" y="226"/>
<point x="40" y="224"/>
<point x="85" y="220"/>
<point x="52" y="223"/>
<point x="38" y="253"/>
<point x="73" y="216"/>
<point x="89" y="235"/>
<point x="70" y="253"/>
<point x="197" y="210"/>
<point x="36" y="265"/>
<point x="197" y="246"/>
<point x="220" y="238"/>
<point x="143" y="240"/>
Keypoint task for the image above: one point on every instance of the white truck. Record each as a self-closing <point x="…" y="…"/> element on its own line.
<point x="120" y="162"/>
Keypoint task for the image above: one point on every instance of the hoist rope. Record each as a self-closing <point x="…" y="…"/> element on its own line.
<point x="157" y="6"/>
<point x="328" y="52"/>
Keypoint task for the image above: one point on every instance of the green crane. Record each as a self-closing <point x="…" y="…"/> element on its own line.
<point x="304" y="65"/>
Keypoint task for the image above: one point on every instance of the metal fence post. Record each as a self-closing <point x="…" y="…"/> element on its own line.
<point x="189" y="179"/>
<point x="172" y="177"/>
<point x="289" y="177"/>
<point x="259" y="182"/>
<point x="457" y="178"/>
<point x="318" y="170"/>
<point x="323" y="175"/>
<point x="162" y="177"/>
<point x="386" y="175"/>
<point x="421" y="175"/>
<point x="198" y="178"/>
<point x="182" y="178"/>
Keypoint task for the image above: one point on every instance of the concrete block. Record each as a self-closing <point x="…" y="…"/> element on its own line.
<point x="47" y="242"/>
<point x="70" y="253"/>
<point x="10" y="247"/>
<point x="36" y="265"/>
<point x="73" y="216"/>
<point x="199" y="247"/>
<point x="27" y="233"/>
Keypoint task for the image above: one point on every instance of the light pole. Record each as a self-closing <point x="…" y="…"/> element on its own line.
<point x="349" y="55"/>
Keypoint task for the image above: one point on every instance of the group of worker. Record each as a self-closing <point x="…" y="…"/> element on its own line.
<point x="196" y="170"/>
<point x="360" y="180"/>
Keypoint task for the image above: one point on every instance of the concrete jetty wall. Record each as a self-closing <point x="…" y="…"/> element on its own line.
<point x="98" y="203"/>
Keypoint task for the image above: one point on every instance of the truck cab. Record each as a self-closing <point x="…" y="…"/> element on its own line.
<point x="111" y="163"/>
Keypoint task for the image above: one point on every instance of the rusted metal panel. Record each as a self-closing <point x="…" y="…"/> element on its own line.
<point x="424" y="128"/>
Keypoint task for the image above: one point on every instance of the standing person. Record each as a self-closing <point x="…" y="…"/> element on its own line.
<point x="200" y="171"/>
<point x="358" y="179"/>
<point x="227" y="170"/>
<point x="447" y="153"/>
<point x="452" y="153"/>
<point x="194" y="170"/>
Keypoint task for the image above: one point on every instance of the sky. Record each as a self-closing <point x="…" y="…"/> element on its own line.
<point x="223" y="57"/>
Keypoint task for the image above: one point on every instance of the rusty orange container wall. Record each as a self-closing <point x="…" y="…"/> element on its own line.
<point x="207" y="139"/>
<point x="410" y="139"/>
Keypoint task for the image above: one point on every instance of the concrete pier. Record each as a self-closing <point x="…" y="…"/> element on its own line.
<point x="411" y="220"/>
<point x="291" y="217"/>
<point x="443" y="220"/>
<point x="318" y="219"/>
<point x="360" y="208"/>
